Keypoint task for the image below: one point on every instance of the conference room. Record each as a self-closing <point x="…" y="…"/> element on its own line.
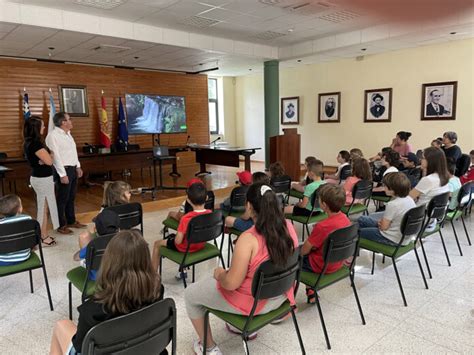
<point x="236" y="176"/>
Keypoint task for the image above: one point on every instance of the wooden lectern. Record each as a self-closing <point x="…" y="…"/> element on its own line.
<point x="287" y="149"/>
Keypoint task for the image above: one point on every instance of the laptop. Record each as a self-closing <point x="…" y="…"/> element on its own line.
<point x="160" y="151"/>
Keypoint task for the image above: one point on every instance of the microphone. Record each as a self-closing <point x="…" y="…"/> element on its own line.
<point x="187" y="140"/>
<point x="215" y="140"/>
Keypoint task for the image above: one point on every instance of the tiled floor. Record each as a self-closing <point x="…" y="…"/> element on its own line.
<point x="438" y="320"/>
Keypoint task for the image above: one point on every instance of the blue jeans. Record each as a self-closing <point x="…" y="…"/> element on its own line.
<point x="369" y="229"/>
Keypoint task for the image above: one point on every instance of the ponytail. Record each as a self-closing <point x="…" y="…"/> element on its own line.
<point x="271" y="223"/>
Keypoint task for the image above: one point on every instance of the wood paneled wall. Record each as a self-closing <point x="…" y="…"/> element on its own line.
<point x="38" y="77"/>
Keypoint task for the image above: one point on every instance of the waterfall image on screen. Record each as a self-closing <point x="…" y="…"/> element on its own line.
<point x="155" y="114"/>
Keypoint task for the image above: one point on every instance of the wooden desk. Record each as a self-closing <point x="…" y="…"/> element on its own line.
<point x="221" y="155"/>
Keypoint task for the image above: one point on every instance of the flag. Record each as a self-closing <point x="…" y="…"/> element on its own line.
<point x="122" y="127"/>
<point x="52" y="112"/>
<point x="104" y="136"/>
<point x="26" y="107"/>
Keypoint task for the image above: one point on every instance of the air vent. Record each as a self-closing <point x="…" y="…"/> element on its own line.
<point x="101" y="4"/>
<point x="268" y="35"/>
<point x="198" y="21"/>
<point x="340" y="16"/>
<point x="302" y="7"/>
<point x="110" y="49"/>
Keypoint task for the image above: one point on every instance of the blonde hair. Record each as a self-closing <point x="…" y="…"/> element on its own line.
<point x="114" y="193"/>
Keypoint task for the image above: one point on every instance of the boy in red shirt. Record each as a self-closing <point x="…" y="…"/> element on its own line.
<point x="469" y="175"/>
<point x="331" y="199"/>
<point x="196" y="197"/>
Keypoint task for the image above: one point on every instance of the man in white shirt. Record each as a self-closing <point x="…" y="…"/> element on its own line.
<point x="68" y="170"/>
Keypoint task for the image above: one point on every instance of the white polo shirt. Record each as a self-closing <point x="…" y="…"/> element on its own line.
<point x="64" y="148"/>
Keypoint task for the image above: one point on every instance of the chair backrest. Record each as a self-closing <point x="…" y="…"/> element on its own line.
<point x="20" y="235"/>
<point x="346" y="171"/>
<point x="465" y="195"/>
<point x="238" y="197"/>
<point x="314" y="199"/>
<point x="437" y="206"/>
<point x="362" y="190"/>
<point x="412" y="221"/>
<point x="281" y="184"/>
<point x="209" y="205"/>
<point x="96" y="249"/>
<point x="462" y="165"/>
<point x="272" y="281"/>
<point x="205" y="227"/>
<point x="130" y="215"/>
<point x="340" y="244"/>
<point x="146" y="332"/>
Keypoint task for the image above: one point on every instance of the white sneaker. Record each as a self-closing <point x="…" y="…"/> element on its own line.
<point x="197" y="347"/>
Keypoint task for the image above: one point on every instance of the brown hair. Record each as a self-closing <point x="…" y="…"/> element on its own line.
<point x="345" y="155"/>
<point x="259" y="177"/>
<point x="398" y="183"/>
<point x="127" y="281"/>
<point x="316" y="167"/>
<point x="391" y="157"/>
<point x="10" y="205"/>
<point x="276" y="169"/>
<point x="436" y="161"/>
<point x="333" y="196"/>
<point x="310" y="159"/>
<point x="356" y="153"/>
<point x="114" y="193"/>
<point x="361" y="169"/>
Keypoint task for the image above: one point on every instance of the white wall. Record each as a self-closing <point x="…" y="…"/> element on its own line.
<point x="404" y="71"/>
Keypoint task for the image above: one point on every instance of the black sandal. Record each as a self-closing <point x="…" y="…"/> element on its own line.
<point x="48" y="244"/>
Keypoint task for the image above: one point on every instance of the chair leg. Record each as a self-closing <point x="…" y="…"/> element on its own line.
<point x="31" y="281"/>
<point x="206" y="325"/>
<point x="161" y="265"/>
<point x="399" y="282"/>
<point x="426" y="259"/>
<point x="465" y="230"/>
<point x="307" y="231"/>
<point x="47" y="288"/>
<point x="303" y="351"/>
<point x="184" y="278"/>
<point x="456" y="237"/>
<point x="322" y="322"/>
<point x="373" y="263"/>
<point x="194" y="273"/>
<point x="302" y="237"/>
<point x="444" y="247"/>
<point x="229" y="243"/>
<point x="357" y="299"/>
<point x="70" y="300"/>
<point x="246" y="346"/>
<point x="383" y="259"/>
<point x="421" y="268"/>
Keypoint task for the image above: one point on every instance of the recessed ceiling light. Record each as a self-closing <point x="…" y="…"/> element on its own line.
<point x="363" y="49"/>
<point x="51" y="48"/>
<point x="299" y="60"/>
<point x="250" y="69"/>
<point x="136" y="58"/>
<point x="291" y="29"/>
<point x="452" y="33"/>
<point x="101" y="4"/>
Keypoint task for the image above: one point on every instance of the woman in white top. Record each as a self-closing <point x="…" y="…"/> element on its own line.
<point x="343" y="158"/>
<point x="436" y="177"/>
<point x="391" y="161"/>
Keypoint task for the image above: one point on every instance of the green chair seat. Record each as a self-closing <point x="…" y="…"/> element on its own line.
<point x="171" y="223"/>
<point x="453" y="215"/>
<point x="233" y="214"/>
<point x="234" y="231"/>
<point x="257" y="322"/>
<point x="210" y="251"/>
<point x="356" y="208"/>
<point x="302" y="219"/>
<point x="296" y="194"/>
<point x="31" y="263"/>
<point x="381" y="198"/>
<point x="385" y="249"/>
<point x="309" y="278"/>
<point x="77" y="277"/>
<point x="436" y="230"/>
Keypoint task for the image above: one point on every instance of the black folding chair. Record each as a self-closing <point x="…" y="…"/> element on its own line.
<point x="345" y="172"/>
<point x="147" y="331"/>
<point x="80" y="276"/>
<point x="282" y="185"/>
<point x="411" y="225"/>
<point x="340" y="245"/>
<point x="238" y="198"/>
<point x="130" y="215"/>
<point x="362" y="190"/>
<point x="436" y="210"/>
<point x="18" y="236"/>
<point x="201" y="229"/>
<point x="269" y="281"/>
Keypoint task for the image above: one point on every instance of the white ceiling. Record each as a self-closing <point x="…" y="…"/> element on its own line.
<point x="238" y="30"/>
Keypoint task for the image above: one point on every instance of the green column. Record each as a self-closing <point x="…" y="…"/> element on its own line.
<point x="272" y="103"/>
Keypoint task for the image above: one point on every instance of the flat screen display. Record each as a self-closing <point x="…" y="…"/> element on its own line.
<point x="155" y="114"/>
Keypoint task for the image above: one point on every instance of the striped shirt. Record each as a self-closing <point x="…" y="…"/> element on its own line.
<point x="16" y="256"/>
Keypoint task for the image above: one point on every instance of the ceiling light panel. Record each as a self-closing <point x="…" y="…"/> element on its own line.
<point x="268" y="35"/>
<point x="340" y="16"/>
<point x="101" y="4"/>
<point x="198" y="21"/>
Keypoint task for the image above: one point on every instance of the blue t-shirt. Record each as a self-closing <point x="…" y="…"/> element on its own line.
<point x="19" y="256"/>
<point x="82" y="256"/>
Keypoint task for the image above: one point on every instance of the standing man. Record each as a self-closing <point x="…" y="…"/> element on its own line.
<point x="68" y="170"/>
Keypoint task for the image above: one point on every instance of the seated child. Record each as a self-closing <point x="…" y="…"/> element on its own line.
<point x="304" y="207"/>
<point x="377" y="167"/>
<point x="116" y="193"/>
<point x="259" y="177"/>
<point x="384" y="227"/>
<point x="360" y="171"/>
<point x="391" y="161"/>
<point x="276" y="170"/>
<point x="411" y="168"/>
<point x="331" y="199"/>
<point x="176" y="215"/>
<point x="106" y="222"/>
<point x="469" y="176"/>
<point x="196" y="197"/>
<point x="356" y="153"/>
<point x="10" y="211"/>
<point x="454" y="184"/>
<point x="299" y="186"/>
<point x="343" y="158"/>
<point x="245" y="179"/>
<point x="437" y="143"/>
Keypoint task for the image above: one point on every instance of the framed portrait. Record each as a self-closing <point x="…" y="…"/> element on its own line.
<point x="438" y="101"/>
<point x="329" y="107"/>
<point x="290" y="110"/>
<point x="378" y="105"/>
<point x="73" y="99"/>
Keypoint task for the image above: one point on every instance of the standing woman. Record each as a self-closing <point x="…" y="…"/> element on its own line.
<point x="400" y="143"/>
<point x="41" y="161"/>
